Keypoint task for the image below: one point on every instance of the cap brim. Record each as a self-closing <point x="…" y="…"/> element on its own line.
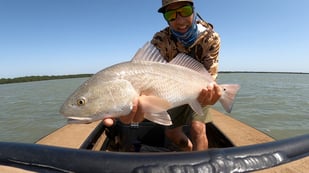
<point x="161" y="10"/>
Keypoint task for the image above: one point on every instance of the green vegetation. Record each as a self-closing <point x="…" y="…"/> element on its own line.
<point x="40" y="78"/>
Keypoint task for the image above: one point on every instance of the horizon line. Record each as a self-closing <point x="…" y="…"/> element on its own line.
<point x="225" y="71"/>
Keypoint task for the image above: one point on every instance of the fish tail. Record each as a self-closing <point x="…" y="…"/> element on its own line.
<point x="229" y="92"/>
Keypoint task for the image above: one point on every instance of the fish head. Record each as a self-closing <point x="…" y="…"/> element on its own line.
<point x="99" y="99"/>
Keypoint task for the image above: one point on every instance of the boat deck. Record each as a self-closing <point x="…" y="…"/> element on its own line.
<point x="238" y="133"/>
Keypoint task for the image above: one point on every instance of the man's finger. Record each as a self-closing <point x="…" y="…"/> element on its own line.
<point x="108" y="122"/>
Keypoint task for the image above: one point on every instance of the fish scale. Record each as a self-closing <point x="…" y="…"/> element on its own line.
<point x="151" y="79"/>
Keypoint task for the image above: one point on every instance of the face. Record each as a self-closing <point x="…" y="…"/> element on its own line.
<point x="180" y="24"/>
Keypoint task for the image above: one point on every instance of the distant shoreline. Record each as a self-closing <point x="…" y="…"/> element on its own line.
<point x="40" y="78"/>
<point x="53" y="77"/>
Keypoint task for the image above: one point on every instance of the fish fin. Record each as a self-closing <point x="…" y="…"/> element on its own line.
<point x="196" y="107"/>
<point x="162" y="118"/>
<point x="187" y="61"/>
<point x="153" y="104"/>
<point x="148" y="53"/>
<point x="228" y="95"/>
<point x="155" y="109"/>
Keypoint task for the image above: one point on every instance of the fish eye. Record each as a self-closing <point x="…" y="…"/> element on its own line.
<point x="81" y="101"/>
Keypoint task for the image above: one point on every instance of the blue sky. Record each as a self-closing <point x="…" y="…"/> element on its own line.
<point x="58" y="37"/>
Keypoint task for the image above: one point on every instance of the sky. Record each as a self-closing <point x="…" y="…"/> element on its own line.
<point x="59" y="37"/>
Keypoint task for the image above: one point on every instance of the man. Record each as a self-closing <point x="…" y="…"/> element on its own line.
<point x="196" y="38"/>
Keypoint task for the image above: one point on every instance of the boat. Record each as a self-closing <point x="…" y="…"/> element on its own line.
<point x="233" y="147"/>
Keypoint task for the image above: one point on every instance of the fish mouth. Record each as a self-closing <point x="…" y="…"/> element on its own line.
<point x="86" y="120"/>
<point x="80" y="120"/>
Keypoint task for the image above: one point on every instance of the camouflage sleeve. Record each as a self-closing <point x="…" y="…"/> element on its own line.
<point x="162" y="41"/>
<point x="212" y="61"/>
<point x="206" y="49"/>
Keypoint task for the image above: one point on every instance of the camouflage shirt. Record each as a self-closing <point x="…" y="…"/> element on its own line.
<point x="205" y="49"/>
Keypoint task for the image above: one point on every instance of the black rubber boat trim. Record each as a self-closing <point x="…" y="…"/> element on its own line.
<point x="42" y="158"/>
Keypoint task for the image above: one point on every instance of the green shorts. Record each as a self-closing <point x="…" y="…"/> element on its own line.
<point x="184" y="115"/>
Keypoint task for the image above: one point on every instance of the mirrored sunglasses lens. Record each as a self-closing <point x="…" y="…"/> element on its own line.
<point x="170" y="15"/>
<point x="186" y="11"/>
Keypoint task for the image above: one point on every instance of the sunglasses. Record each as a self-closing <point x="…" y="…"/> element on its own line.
<point x="184" y="11"/>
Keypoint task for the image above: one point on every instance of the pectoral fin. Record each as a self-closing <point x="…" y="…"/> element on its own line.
<point x="153" y="104"/>
<point x="162" y="118"/>
<point x="155" y="109"/>
<point x="196" y="107"/>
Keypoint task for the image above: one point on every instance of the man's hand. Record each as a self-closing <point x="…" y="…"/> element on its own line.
<point x="136" y="115"/>
<point x="210" y="95"/>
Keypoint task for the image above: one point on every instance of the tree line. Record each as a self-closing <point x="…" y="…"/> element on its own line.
<point x="40" y="78"/>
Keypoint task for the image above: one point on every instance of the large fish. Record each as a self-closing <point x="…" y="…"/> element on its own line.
<point x="157" y="84"/>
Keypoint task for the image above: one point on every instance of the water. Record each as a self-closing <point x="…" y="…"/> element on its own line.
<point x="276" y="104"/>
<point x="29" y="111"/>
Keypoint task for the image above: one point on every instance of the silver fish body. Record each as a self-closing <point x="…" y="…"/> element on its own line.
<point x="111" y="92"/>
